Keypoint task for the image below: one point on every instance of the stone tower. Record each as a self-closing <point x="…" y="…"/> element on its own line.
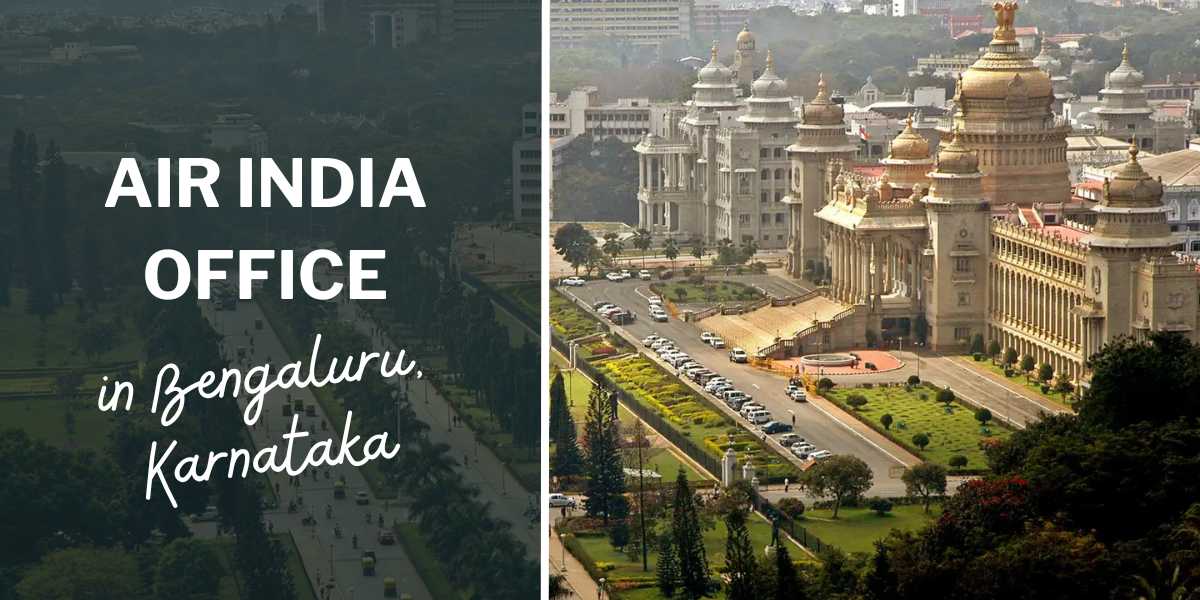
<point x="1135" y="284"/>
<point x="1124" y="111"/>
<point x="957" y="256"/>
<point x="820" y="136"/>
<point x="744" y="59"/>
<point x="1004" y="113"/>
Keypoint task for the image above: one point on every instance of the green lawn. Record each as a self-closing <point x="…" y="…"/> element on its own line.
<point x="44" y="418"/>
<point x="856" y="529"/>
<point x="28" y="344"/>
<point x="598" y="550"/>
<point x="953" y="433"/>
<point x="663" y="460"/>
<point x="1020" y="379"/>
<point x="713" y="291"/>
<point x="427" y="565"/>
<point x="691" y="414"/>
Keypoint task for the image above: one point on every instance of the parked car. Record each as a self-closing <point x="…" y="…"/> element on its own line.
<point x="717" y="342"/>
<point x="773" y="427"/>
<point x="614" y="277"/>
<point x="362" y="498"/>
<point x="649" y="340"/>
<point x="707" y="337"/>
<point x="820" y="455"/>
<point x="750" y="407"/>
<point x="760" y="417"/>
<point x="788" y="439"/>
<point x="625" y="274"/>
<point x="800" y="453"/>
<point x="600" y="304"/>
<point x="574" y="281"/>
<point x="798" y="396"/>
<point x="561" y="500"/>
<point x="644" y="275"/>
<point x="659" y="316"/>
<point x="738" y="355"/>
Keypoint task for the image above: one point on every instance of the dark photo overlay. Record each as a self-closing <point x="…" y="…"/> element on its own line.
<point x="269" y="299"/>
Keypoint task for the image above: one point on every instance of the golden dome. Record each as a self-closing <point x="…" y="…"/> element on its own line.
<point x="822" y="110"/>
<point x="1131" y="186"/>
<point x="745" y="37"/>
<point x="956" y="158"/>
<point x="909" y="145"/>
<point x="1004" y="72"/>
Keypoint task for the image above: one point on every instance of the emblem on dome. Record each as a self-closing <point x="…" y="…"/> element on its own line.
<point x="1005" y="14"/>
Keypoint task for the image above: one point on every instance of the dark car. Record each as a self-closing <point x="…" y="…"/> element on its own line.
<point x="776" y="427"/>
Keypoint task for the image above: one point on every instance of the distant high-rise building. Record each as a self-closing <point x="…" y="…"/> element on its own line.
<point x="527" y="167"/>
<point x="639" y="22"/>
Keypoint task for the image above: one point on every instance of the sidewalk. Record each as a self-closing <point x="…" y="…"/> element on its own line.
<point x="577" y="578"/>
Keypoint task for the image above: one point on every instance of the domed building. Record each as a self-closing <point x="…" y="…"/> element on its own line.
<point x="1125" y="113"/>
<point x="1004" y="111"/>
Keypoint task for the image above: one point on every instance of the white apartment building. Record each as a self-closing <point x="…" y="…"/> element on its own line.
<point x="582" y="113"/>
<point x="527" y="167"/>
<point x="639" y="22"/>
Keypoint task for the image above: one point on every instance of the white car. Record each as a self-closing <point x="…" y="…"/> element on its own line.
<point x="738" y="355"/>
<point x="798" y="395"/>
<point x="707" y="337"/>
<point x="574" y="281"/>
<point x="759" y="417"/>
<point x="561" y="501"/>
<point x="714" y="382"/>
<point x="654" y="300"/>
<point x="625" y="274"/>
<point x="716" y="342"/>
<point x="649" y="340"/>
<point x="659" y="316"/>
<point x="820" y="455"/>
<point x="644" y="275"/>
<point x="789" y="439"/>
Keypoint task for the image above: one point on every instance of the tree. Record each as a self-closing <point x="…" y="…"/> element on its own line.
<point x="921" y="328"/>
<point x="924" y="480"/>
<point x="1045" y="373"/>
<point x="880" y="581"/>
<point x="666" y="574"/>
<point x="612" y="245"/>
<point x="97" y="337"/>
<point x="698" y="248"/>
<point x="1010" y="357"/>
<point x="1156" y="380"/>
<point x="749" y="249"/>
<point x="945" y="396"/>
<point x="567" y="459"/>
<point x="957" y="461"/>
<point x="558" y="403"/>
<point x="689" y="541"/>
<point x="671" y="251"/>
<point x="187" y="569"/>
<point x="602" y="459"/>
<point x="913" y="380"/>
<point x="791" y="507"/>
<point x="856" y="401"/>
<point x="1027" y="363"/>
<point x="1063" y="385"/>
<point x="881" y="506"/>
<point x="740" y="563"/>
<point x="993" y="350"/>
<point x="977" y="344"/>
<point x="920" y="440"/>
<point x="841" y="477"/>
<point x="787" y="580"/>
<point x="575" y="244"/>
<point x="983" y="415"/>
<point x="886" y="421"/>
<point x="642" y="241"/>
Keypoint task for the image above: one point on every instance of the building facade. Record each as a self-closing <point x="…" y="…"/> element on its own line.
<point x="972" y="242"/>
<point x="1125" y="112"/>
<point x="583" y="113"/>
<point x="640" y="22"/>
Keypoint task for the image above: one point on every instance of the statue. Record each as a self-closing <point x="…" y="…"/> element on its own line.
<point x="1005" y="13"/>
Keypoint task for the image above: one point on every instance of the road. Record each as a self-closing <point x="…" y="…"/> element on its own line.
<point x="321" y="550"/>
<point x="815" y="421"/>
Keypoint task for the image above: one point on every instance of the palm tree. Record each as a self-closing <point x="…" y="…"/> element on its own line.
<point x="558" y="587"/>
<point x="698" y="248"/>
<point x="642" y="241"/>
<point x="671" y="251"/>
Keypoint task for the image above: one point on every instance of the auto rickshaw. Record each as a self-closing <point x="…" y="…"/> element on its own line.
<point x="389" y="587"/>
<point x="339" y="489"/>
<point x="368" y="563"/>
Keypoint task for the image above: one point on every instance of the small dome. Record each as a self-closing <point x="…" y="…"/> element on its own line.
<point x="909" y="145"/>
<point x="745" y="39"/>
<point x="1124" y="76"/>
<point x="1131" y="186"/>
<point x="1004" y="71"/>
<point x="822" y="110"/>
<point x="769" y="85"/>
<point x="714" y="71"/>
<point x="956" y="158"/>
<point x="1046" y="61"/>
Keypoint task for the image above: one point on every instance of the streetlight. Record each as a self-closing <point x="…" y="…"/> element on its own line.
<point x="562" y="541"/>
<point x="600" y="589"/>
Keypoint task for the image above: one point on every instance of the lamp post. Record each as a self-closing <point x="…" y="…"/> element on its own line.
<point x="562" y="541"/>
<point x="600" y="589"/>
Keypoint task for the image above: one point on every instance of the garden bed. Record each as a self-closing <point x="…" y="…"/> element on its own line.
<point x="569" y="320"/>
<point x="953" y="433"/>
<point x="692" y="416"/>
<point x="712" y="292"/>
